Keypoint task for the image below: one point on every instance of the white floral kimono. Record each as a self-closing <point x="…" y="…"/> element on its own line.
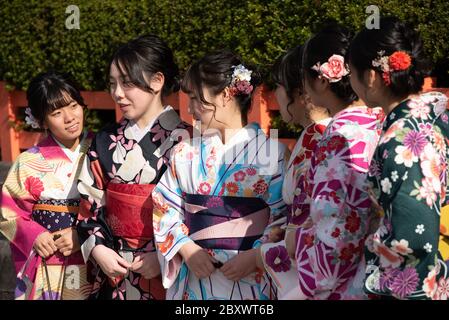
<point x="223" y="197"/>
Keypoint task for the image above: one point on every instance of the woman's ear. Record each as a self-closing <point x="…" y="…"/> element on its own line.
<point x="321" y="84"/>
<point x="157" y="81"/>
<point x="226" y="95"/>
<point x="372" y="78"/>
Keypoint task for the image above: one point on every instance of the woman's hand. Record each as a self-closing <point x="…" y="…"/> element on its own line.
<point x="198" y="260"/>
<point x="259" y="259"/>
<point x="67" y="241"/>
<point x="44" y="245"/>
<point x="240" y="266"/>
<point x="147" y="265"/>
<point x="112" y="264"/>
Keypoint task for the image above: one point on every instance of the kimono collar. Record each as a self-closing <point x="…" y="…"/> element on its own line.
<point x="351" y="108"/>
<point x="167" y="119"/>
<point x="52" y="150"/>
<point x="246" y="133"/>
<point x="320" y="125"/>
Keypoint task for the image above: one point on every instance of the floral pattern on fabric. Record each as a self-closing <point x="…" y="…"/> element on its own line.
<point x="118" y="156"/>
<point x="206" y="166"/>
<point x="329" y="252"/>
<point x="408" y="176"/>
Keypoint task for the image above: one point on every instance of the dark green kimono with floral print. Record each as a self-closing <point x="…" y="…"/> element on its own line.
<point x="408" y="175"/>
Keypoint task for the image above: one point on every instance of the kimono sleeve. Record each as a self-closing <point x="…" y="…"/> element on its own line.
<point x="274" y="199"/>
<point x="170" y="232"/>
<point x="92" y="227"/>
<point x="19" y="193"/>
<point x="409" y="196"/>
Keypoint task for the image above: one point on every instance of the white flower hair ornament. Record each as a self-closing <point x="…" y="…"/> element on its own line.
<point x="241" y="81"/>
<point x="31" y="120"/>
<point x="333" y="70"/>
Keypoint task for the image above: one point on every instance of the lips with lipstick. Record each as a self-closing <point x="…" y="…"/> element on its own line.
<point x="124" y="106"/>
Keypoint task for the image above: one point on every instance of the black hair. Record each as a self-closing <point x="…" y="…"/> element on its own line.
<point x="214" y="71"/>
<point x="393" y="35"/>
<point x="287" y="72"/>
<point x="50" y="91"/>
<point x="330" y="40"/>
<point x="143" y="57"/>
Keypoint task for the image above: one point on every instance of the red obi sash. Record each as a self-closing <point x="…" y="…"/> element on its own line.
<point x="130" y="211"/>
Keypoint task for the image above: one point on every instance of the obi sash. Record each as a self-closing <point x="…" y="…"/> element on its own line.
<point x="55" y="215"/>
<point x="130" y="211"/>
<point x="232" y="223"/>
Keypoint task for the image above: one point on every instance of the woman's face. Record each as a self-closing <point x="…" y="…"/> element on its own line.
<point x="66" y="123"/>
<point x="205" y="113"/>
<point x="133" y="101"/>
<point x="295" y="112"/>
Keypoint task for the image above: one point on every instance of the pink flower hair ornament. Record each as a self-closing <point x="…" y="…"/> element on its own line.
<point x="333" y="70"/>
<point x="241" y="81"/>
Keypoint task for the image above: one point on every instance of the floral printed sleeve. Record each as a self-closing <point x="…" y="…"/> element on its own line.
<point x="170" y="232"/>
<point x="274" y="199"/>
<point x="328" y="252"/>
<point x="92" y="227"/>
<point x="19" y="193"/>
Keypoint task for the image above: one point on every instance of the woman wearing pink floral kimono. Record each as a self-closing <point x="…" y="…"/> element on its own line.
<point x="40" y="202"/>
<point x="328" y="247"/>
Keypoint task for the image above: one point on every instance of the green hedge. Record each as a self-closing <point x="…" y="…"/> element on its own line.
<point x="33" y="36"/>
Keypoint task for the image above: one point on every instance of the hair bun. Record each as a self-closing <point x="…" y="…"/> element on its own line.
<point x="256" y="78"/>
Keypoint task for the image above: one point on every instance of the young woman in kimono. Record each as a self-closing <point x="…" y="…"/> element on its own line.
<point x="329" y="245"/>
<point x="40" y="201"/>
<point x="295" y="108"/>
<point x="123" y="164"/>
<point x="222" y="189"/>
<point x="408" y="172"/>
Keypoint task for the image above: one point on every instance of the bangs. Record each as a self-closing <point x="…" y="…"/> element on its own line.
<point x="130" y="66"/>
<point x="192" y="83"/>
<point x="58" y="99"/>
<point x="190" y="78"/>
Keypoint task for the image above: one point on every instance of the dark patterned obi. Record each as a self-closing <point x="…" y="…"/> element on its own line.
<point x="130" y="212"/>
<point x="55" y="215"/>
<point x="232" y="223"/>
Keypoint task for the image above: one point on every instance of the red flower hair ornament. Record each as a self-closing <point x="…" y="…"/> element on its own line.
<point x="398" y="61"/>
